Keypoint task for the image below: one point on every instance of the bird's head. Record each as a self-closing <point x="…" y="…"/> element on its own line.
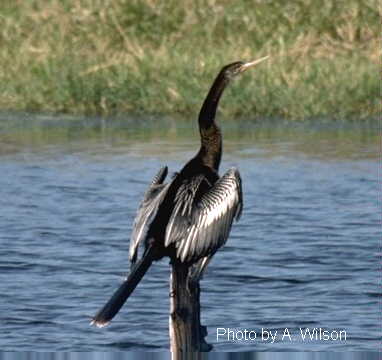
<point x="233" y="69"/>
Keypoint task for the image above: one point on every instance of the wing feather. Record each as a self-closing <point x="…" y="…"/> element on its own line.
<point x="198" y="227"/>
<point x="147" y="211"/>
<point x="181" y="217"/>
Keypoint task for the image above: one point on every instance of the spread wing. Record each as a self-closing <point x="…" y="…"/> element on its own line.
<point x="147" y="211"/>
<point x="200" y="224"/>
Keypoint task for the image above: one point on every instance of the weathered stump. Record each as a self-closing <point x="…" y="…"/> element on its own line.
<point x="186" y="332"/>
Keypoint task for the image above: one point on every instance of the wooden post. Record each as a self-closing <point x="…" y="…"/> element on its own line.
<point x="186" y="332"/>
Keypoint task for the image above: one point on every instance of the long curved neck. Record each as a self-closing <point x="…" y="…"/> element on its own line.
<point x="211" y="139"/>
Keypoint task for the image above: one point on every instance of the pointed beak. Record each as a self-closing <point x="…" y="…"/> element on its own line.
<point x="253" y="63"/>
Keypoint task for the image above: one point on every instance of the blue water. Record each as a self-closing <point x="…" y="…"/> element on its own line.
<point x="304" y="254"/>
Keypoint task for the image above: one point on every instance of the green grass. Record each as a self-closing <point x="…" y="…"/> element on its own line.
<point x="160" y="57"/>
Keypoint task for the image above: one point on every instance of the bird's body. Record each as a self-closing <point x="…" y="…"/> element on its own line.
<point x="189" y="218"/>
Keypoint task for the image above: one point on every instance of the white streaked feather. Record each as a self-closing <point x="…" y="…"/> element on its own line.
<point x="204" y="227"/>
<point x="147" y="211"/>
<point x="183" y="210"/>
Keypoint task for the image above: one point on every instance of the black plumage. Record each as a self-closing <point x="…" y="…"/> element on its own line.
<point x="189" y="218"/>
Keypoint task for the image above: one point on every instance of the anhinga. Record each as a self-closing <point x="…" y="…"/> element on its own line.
<point x="189" y="218"/>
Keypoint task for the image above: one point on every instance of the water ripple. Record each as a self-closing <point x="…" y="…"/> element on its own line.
<point x="303" y="255"/>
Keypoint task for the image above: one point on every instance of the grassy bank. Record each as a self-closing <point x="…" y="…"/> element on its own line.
<point x="115" y="56"/>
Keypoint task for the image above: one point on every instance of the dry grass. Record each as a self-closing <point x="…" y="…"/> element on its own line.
<point x="93" y="56"/>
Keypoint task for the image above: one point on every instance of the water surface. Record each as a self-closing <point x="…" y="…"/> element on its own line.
<point x="304" y="254"/>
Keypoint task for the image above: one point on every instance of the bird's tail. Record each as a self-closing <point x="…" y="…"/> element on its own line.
<point x="103" y="317"/>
